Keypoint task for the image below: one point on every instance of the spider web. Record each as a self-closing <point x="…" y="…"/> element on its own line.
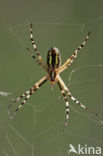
<point x="37" y="127"/>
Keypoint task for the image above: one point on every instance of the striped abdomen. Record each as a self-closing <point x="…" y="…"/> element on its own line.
<point x="53" y="62"/>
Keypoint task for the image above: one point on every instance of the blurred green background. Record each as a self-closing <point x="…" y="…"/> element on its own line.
<point x="36" y="130"/>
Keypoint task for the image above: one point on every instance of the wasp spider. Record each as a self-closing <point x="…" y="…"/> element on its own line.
<point x="53" y="69"/>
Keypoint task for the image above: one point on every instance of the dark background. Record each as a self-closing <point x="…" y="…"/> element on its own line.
<point x="36" y="130"/>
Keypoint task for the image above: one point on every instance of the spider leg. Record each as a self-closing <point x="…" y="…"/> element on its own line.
<point x="32" y="55"/>
<point x="74" y="55"/>
<point x="74" y="99"/>
<point x="36" y="60"/>
<point x="29" y="93"/>
<point x="36" y="49"/>
<point x="19" y="98"/>
<point x="67" y="105"/>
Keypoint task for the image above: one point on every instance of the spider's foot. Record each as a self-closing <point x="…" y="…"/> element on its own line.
<point x="12" y="115"/>
<point x="89" y="32"/>
<point x="14" y="101"/>
<point x="31" y="25"/>
<point x="64" y="128"/>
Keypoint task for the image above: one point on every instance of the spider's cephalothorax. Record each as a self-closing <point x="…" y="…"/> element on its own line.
<point x="53" y="69"/>
<point x="53" y="63"/>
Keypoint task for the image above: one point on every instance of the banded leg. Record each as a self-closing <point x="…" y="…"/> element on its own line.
<point x="36" y="49"/>
<point x="67" y="106"/>
<point x="19" y="98"/>
<point x="74" y="99"/>
<point x="30" y="92"/>
<point x="81" y="105"/>
<point x="32" y="55"/>
<point x="36" y="60"/>
<point x="74" y="55"/>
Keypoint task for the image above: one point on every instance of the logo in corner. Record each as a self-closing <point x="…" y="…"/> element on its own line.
<point x="72" y="149"/>
<point x="84" y="149"/>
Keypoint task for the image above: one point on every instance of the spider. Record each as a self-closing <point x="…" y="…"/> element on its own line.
<point x="53" y="69"/>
